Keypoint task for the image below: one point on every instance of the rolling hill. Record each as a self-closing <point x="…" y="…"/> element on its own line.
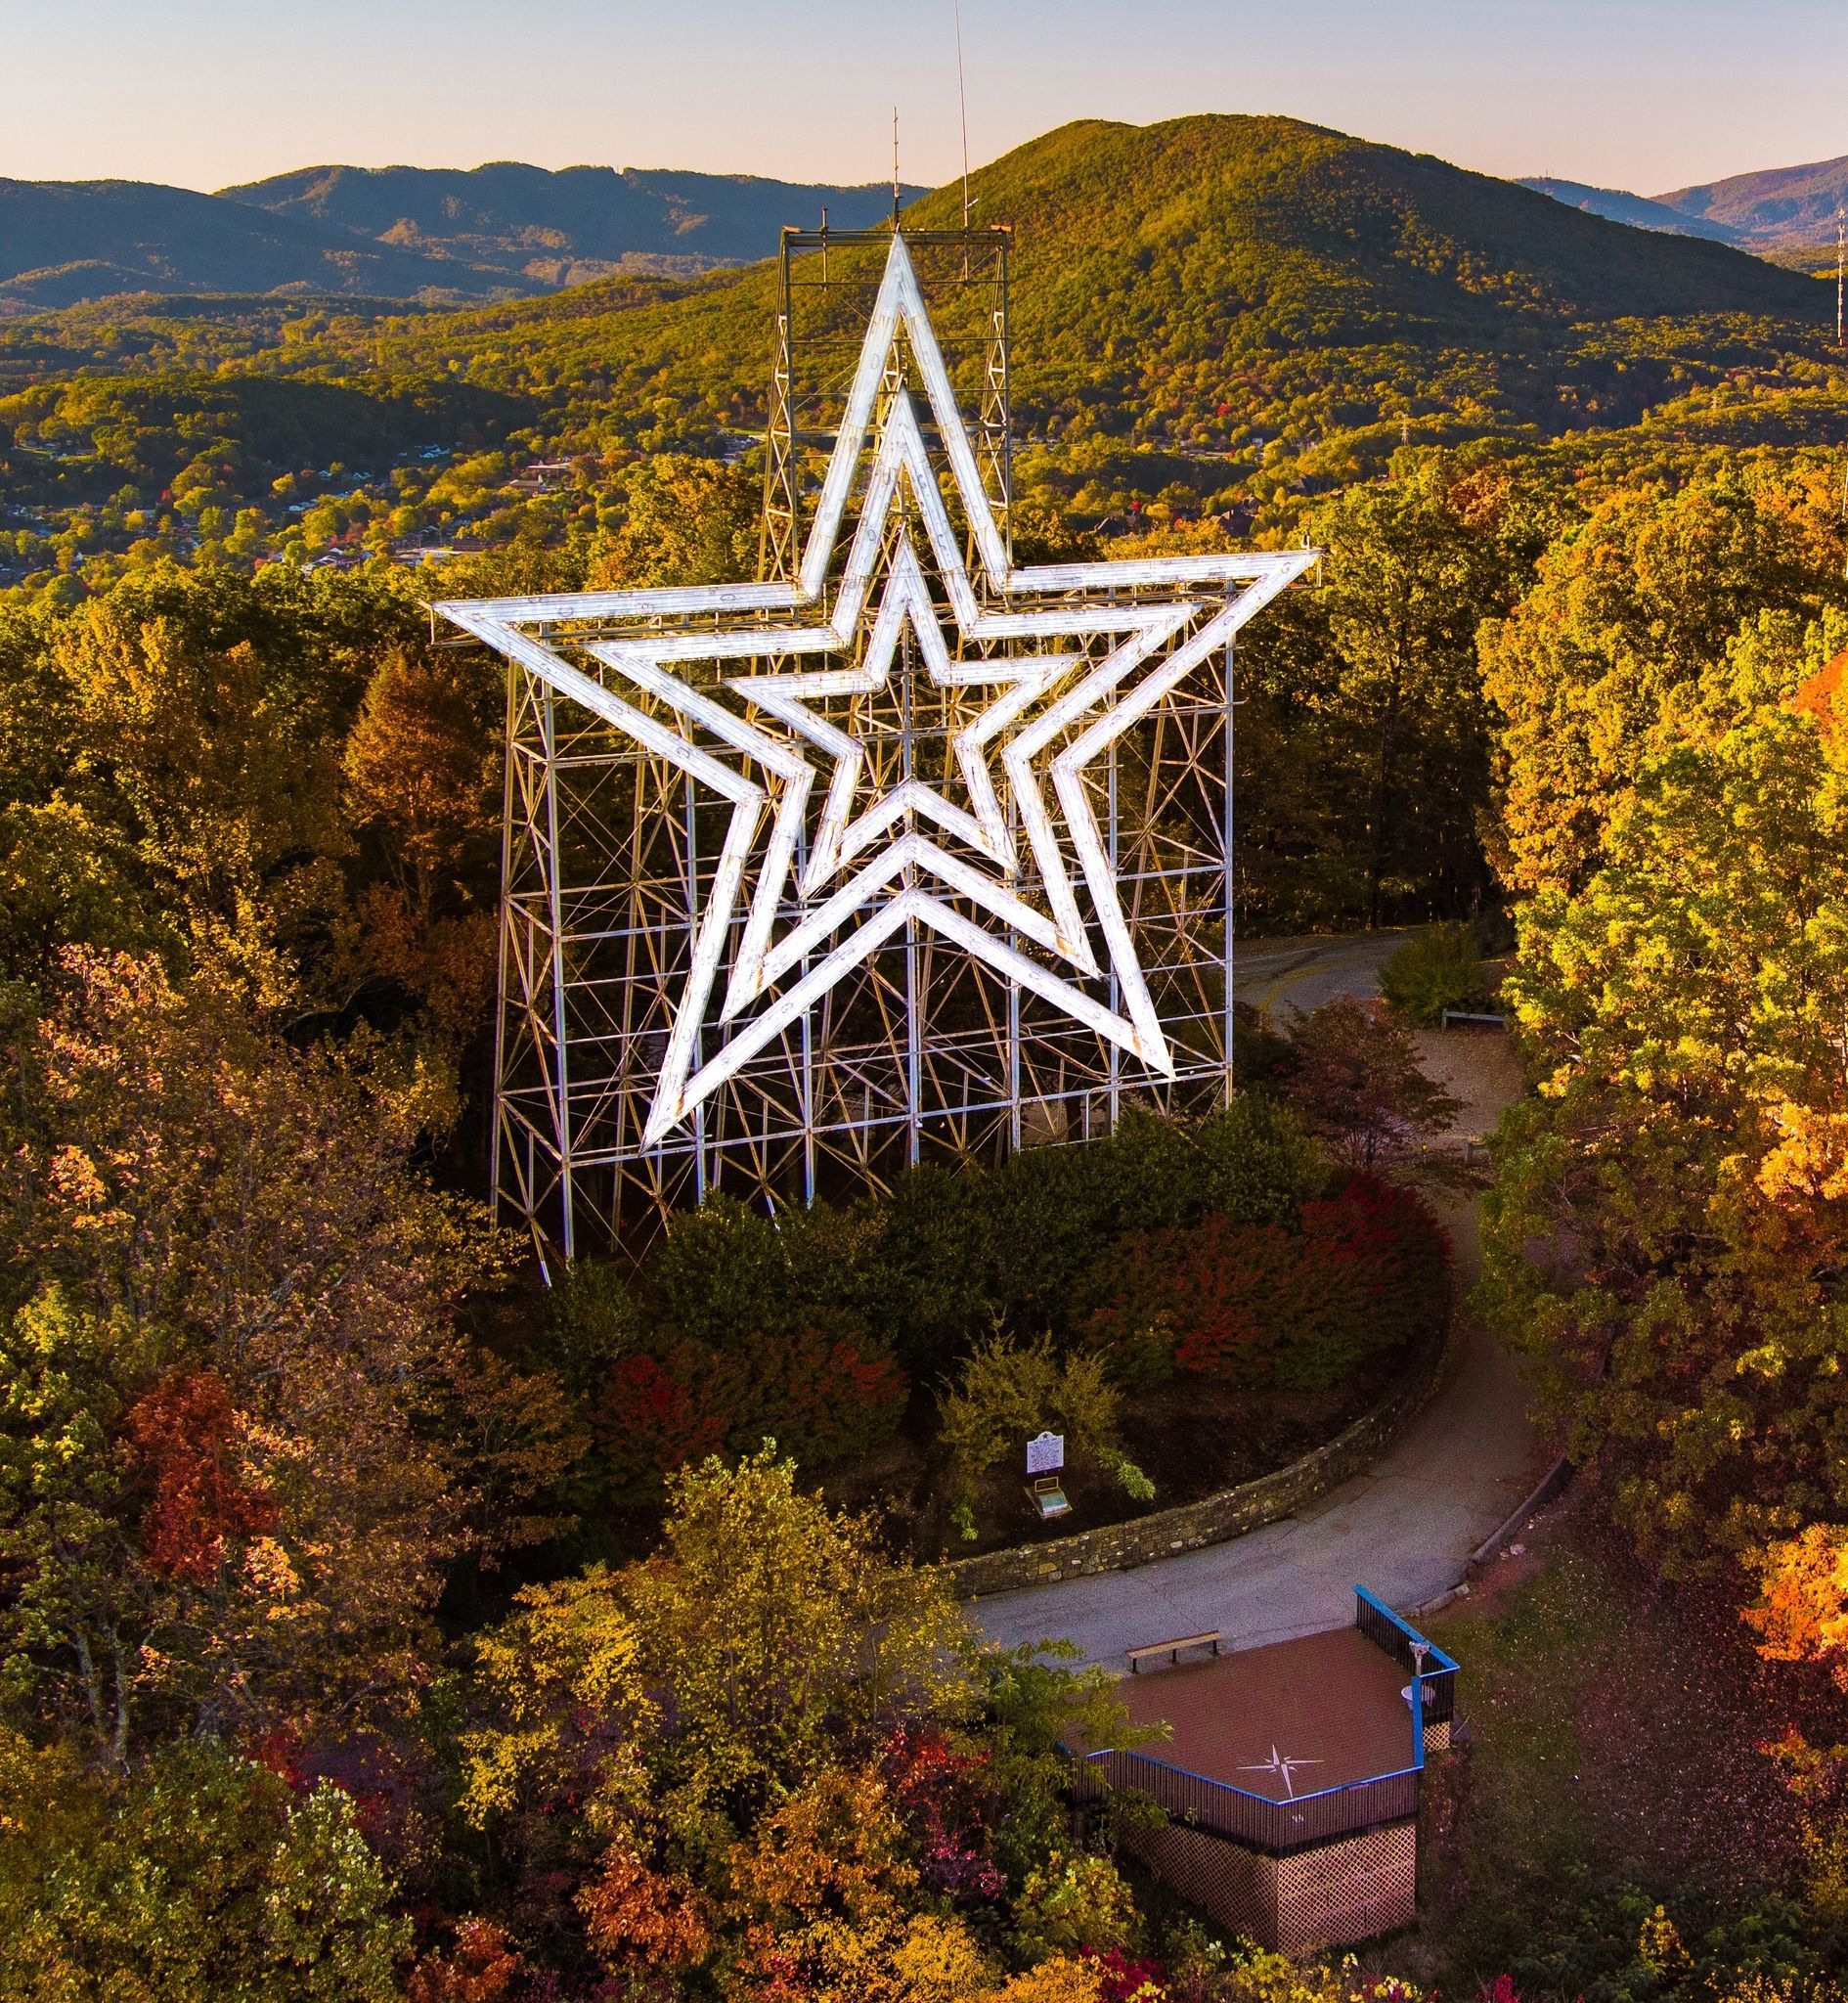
<point x="1209" y="312"/>
<point x="1788" y="211"/>
<point x="394" y="233"/>
<point x="64" y="241"/>
<point x="566" y="227"/>
<point x="1786" y="214"/>
<point x="1188" y="280"/>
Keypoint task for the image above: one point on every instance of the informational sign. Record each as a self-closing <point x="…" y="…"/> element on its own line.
<point x="1046" y="1455"/>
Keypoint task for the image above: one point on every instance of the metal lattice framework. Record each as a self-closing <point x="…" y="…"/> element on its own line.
<point x="904" y="851"/>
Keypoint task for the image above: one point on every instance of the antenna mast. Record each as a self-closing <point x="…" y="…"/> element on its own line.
<point x="895" y="167"/>
<point x="962" y="112"/>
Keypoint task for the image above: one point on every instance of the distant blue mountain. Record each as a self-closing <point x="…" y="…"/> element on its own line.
<point x="1638" y="210"/>
<point x="537" y="226"/>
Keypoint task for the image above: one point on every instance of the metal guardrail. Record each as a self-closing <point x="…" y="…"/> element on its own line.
<point x="1277" y="1827"/>
<point x="1280" y="1827"/>
<point x="1431" y="1671"/>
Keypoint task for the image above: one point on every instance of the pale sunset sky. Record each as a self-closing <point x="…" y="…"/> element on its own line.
<point x="1647" y="95"/>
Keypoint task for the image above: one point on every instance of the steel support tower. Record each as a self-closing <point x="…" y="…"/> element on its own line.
<point x="623" y="870"/>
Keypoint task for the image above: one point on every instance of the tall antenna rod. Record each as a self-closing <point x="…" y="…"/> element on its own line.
<point x="895" y="166"/>
<point x="962" y="110"/>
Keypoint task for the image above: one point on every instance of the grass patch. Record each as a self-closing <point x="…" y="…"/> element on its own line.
<point x="1612" y="1766"/>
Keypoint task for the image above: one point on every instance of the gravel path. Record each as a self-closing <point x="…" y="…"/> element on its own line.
<point x="1406" y="1527"/>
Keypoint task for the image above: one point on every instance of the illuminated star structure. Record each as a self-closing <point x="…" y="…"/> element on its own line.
<point x="784" y="701"/>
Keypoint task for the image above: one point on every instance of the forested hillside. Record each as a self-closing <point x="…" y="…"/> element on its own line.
<point x="1214" y="314"/>
<point x="395" y="232"/>
<point x="62" y="242"/>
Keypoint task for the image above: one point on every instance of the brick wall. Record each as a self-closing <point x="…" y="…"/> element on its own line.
<point x="1214" y="1519"/>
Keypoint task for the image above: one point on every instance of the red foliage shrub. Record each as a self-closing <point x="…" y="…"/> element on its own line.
<point x="656" y="1413"/>
<point x="821" y="1397"/>
<point x="1122" y="1978"/>
<point x="1207" y="1297"/>
<point x="1374" y="1258"/>
<point x="183" y="1436"/>
<point x="945" y="1798"/>
<point x="1253" y="1303"/>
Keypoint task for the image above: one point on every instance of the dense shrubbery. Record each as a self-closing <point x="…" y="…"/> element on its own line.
<point x="947" y="1251"/>
<point x="1254" y="1304"/>
<point x="1437" y="969"/>
<point x="822" y="1396"/>
<point x="1220" y="1247"/>
<point x="744" y="1325"/>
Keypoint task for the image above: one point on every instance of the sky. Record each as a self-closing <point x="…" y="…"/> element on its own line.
<point x="1647" y="95"/>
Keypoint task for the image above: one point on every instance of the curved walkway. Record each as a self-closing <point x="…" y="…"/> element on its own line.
<point x="1405" y="1529"/>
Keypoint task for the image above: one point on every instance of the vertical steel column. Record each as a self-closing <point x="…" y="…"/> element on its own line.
<point x="699" y="1035"/>
<point x="497" y="1133"/>
<point x="1228" y="880"/>
<point x="913" y="1012"/>
<point x="1013" y="1007"/>
<point x="805" y="1087"/>
<point x="778" y="533"/>
<point x="1116" y="999"/>
<point x="555" y="902"/>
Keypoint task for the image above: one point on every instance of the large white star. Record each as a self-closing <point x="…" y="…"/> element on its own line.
<point x="870" y="869"/>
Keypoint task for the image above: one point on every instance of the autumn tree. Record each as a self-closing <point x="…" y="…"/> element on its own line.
<point x="770" y="1755"/>
<point x="689" y="521"/>
<point x="420" y="764"/>
<point x="1667" y="1230"/>
<point x="241" y="1440"/>
<point x="1630" y="606"/>
<point x="1357" y="1087"/>
<point x="201" y="1875"/>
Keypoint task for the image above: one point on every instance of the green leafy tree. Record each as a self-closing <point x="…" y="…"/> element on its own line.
<point x="1008" y="1392"/>
<point x="199" y="1876"/>
<point x="1667" y="1222"/>
<point x="1631" y="605"/>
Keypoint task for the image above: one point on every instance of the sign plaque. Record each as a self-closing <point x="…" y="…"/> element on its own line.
<point x="1046" y="1455"/>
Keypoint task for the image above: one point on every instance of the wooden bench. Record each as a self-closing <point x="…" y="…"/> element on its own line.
<point x="1212" y="1638"/>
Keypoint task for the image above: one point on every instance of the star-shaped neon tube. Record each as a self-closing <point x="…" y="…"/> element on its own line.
<point x="876" y="866"/>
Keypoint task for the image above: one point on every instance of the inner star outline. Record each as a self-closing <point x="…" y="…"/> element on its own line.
<point x="1097" y="705"/>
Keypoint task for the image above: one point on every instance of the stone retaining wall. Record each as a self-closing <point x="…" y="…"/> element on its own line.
<point x="1214" y="1519"/>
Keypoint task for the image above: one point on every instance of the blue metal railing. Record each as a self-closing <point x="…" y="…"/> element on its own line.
<point x="1256" y="1819"/>
<point x="1434" y="1673"/>
<point x="1279" y="1827"/>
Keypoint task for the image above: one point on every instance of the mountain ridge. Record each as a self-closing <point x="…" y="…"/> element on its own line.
<point x="69" y="242"/>
<point x="59" y="239"/>
<point x="1640" y="211"/>
<point x="565" y="225"/>
<point x="1784" y="214"/>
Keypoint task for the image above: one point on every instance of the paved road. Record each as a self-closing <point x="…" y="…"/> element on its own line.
<point x="1278" y="975"/>
<point x="1406" y="1527"/>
